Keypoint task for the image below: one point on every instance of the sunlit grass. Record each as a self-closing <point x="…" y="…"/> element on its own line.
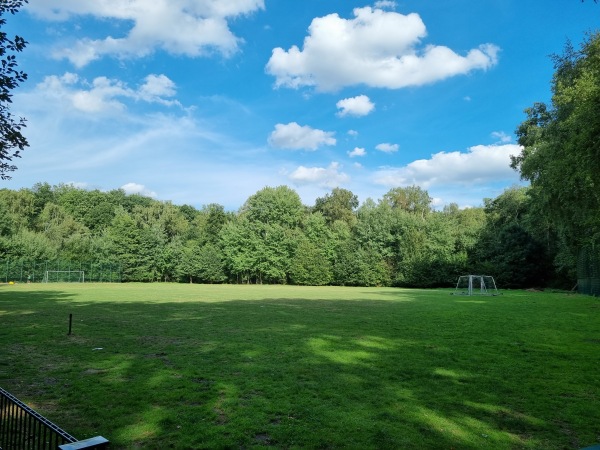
<point x="188" y="366"/>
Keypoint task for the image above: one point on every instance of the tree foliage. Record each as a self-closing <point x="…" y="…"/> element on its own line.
<point x="412" y="199"/>
<point x="273" y="238"/>
<point x="338" y="205"/>
<point x="561" y="145"/>
<point x="12" y="141"/>
<point x="561" y="156"/>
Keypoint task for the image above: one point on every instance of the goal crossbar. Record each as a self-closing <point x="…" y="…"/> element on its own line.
<point x="68" y="276"/>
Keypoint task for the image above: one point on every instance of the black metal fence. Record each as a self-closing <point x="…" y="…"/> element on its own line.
<point x="23" y="271"/>
<point x="588" y="272"/>
<point x="21" y="428"/>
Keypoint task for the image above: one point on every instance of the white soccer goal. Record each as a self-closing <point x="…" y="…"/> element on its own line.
<point x="64" y="276"/>
<point x="476" y="285"/>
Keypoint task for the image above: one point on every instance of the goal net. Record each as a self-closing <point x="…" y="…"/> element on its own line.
<point x="476" y="285"/>
<point x="64" y="276"/>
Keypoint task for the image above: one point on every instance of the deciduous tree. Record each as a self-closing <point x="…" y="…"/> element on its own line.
<point x="339" y="205"/>
<point x="561" y="149"/>
<point x="12" y="142"/>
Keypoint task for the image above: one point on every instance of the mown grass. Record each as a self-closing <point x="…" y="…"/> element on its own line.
<point x="188" y="366"/>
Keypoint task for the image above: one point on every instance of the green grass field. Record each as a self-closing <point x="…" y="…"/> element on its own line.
<point x="189" y="366"/>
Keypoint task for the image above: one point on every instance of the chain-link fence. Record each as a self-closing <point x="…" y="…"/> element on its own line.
<point x="588" y="271"/>
<point x="22" y="271"/>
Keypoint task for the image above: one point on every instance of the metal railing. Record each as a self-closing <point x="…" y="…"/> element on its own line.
<point x="22" y="428"/>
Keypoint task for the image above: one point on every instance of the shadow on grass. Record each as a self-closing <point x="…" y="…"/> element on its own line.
<point x="291" y="373"/>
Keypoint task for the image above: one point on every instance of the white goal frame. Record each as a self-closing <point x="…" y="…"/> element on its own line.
<point x="476" y="285"/>
<point x="48" y="276"/>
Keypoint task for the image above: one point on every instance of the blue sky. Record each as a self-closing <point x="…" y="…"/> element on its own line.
<point x="209" y="101"/>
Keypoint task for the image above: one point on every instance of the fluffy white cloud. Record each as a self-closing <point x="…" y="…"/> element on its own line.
<point x="355" y="106"/>
<point x="481" y="164"/>
<point x="186" y="27"/>
<point x="135" y="188"/>
<point x="156" y="87"/>
<point x="377" y="48"/>
<point x="329" y="177"/>
<point x="103" y="95"/>
<point x="358" y="151"/>
<point x="387" y="148"/>
<point x="295" y="137"/>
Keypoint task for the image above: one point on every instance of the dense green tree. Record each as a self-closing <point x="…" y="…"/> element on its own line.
<point x="6" y="221"/>
<point x="168" y="258"/>
<point x="340" y="204"/>
<point x="70" y="236"/>
<point x="43" y="193"/>
<point x="31" y="246"/>
<point x="189" y="212"/>
<point x="135" y="247"/>
<point x="202" y="263"/>
<point x="356" y="265"/>
<point x="12" y="141"/>
<point x="375" y="227"/>
<point x="280" y="205"/>
<point x="21" y="207"/>
<point x="163" y="216"/>
<point x="467" y="225"/>
<point x="561" y="150"/>
<point x="215" y="220"/>
<point x="510" y="207"/>
<point x="428" y="249"/>
<point x="258" y="252"/>
<point x="95" y="209"/>
<point x="310" y="265"/>
<point x="189" y="267"/>
<point x="315" y="229"/>
<point x="128" y="201"/>
<point x="240" y="241"/>
<point x="412" y="199"/>
<point x="507" y="248"/>
<point x="211" y="266"/>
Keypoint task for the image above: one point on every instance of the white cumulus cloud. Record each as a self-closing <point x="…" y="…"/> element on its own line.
<point x="480" y="164"/>
<point x="183" y="27"/>
<point x="358" y="151"/>
<point x="296" y="137"/>
<point x="329" y="177"/>
<point x="355" y="106"/>
<point x="377" y="48"/>
<point x="387" y="147"/>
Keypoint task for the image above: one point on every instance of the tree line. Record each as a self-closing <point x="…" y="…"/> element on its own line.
<point x="398" y="240"/>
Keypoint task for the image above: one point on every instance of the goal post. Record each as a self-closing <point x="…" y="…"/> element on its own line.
<point x="64" y="276"/>
<point x="476" y="285"/>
